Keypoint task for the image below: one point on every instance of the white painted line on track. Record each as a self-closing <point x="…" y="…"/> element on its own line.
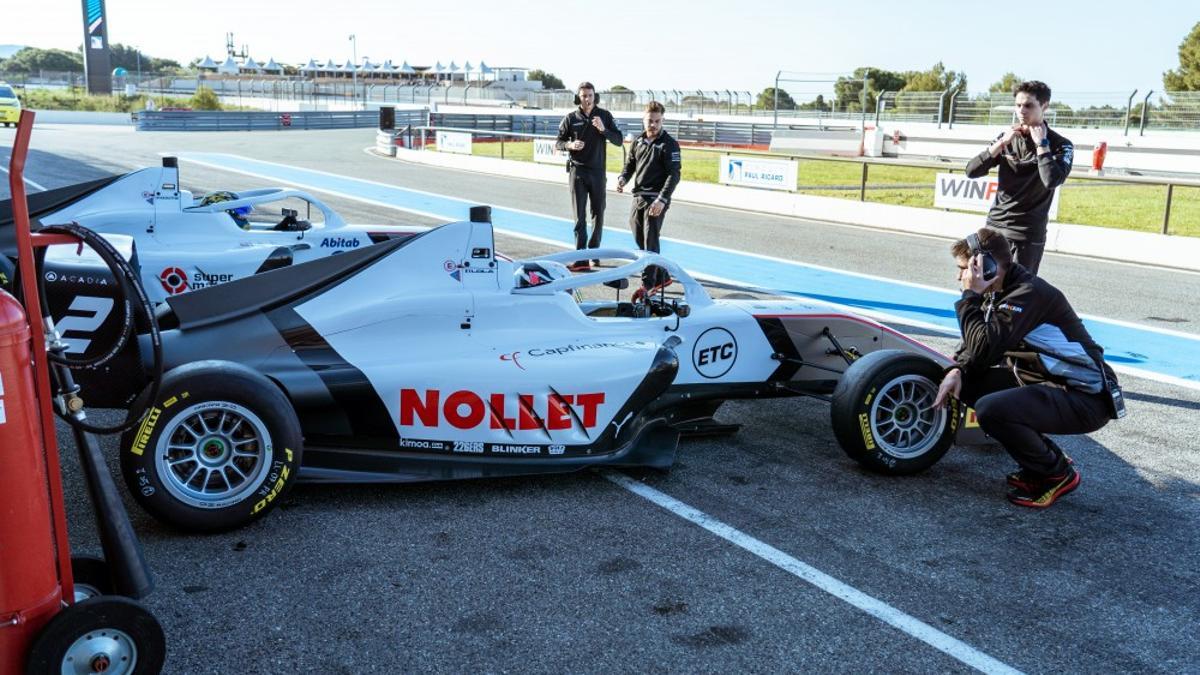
<point x="877" y="315"/>
<point x="914" y="627"/>
<point x="31" y="183"/>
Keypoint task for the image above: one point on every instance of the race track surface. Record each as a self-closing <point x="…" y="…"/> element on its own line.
<point x="585" y="572"/>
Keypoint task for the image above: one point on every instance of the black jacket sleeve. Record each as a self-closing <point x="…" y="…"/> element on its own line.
<point x="1055" y="166"/>
<point x="564" y="133"/>
<point x="982" y="163"/>
<point x="672" y="160"/>
<point x="611" y="131"/>
<point x="630" y="162"/>
<point x="986" y="338"/>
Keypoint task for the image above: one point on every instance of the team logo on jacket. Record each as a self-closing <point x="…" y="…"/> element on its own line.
<point x="465" y="409"/>
<point x="714" y="353"/>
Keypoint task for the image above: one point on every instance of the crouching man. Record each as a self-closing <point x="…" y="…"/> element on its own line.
<point x="1028" y="367"/>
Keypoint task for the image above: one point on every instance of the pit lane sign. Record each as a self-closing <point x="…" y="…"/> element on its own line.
<point x="453" y="141"/>
<point x="956" y="191"/>
<point x="772" y="174"/>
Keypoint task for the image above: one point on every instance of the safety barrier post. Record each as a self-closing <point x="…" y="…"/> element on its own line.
<point x="1145" y="113"/>
<point x="862" y="190"/>
<point x="1128" y="111"/>
<point x="1167" y="211"/>
<point x="776" y="106"/>
<point x="953" y="99"/>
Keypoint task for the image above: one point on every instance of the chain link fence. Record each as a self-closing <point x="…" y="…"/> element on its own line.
<point x="804" y="96"/>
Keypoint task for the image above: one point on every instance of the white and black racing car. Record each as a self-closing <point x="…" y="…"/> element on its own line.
<point x="182" y="242"/>
<point x="434" y="358"/>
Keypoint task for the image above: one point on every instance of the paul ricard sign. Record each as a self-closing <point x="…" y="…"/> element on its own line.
<point x="453" y="141"/>
<point x="773" y="174"/>
<point x="956" y="191"/>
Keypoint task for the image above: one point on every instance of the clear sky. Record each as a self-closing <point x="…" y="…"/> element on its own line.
<point x="1075" y="46"/>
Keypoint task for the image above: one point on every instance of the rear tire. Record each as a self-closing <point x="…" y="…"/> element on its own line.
<point x="883" y="415"/>
<point x="219" y="448"/>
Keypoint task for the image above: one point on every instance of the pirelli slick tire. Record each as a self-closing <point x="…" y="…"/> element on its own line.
<point x="219" y="448"/>
<point x="883" y="414"/>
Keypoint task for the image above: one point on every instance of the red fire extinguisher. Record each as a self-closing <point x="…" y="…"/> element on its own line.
<point x="1098" y="155"/>
<point x="30" y="588"/>
<point x="55" y="614"/>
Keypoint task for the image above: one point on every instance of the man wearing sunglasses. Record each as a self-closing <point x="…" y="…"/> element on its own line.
<point x="1033" y="161"/>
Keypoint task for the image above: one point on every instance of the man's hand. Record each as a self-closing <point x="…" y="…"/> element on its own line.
<point x="998" y="146"/>
<point x="657" y="208"/>
<point x="1038" y="133"/>
<point x="620" y="183"/>
<point x="951" y="386"/>
<point x="598" y="123"/>
<point x="575" y="145"/>
<point x="972" y="277"/>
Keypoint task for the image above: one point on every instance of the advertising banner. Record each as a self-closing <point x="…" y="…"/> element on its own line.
<point x="772" y="174"/>
<point x="453" y="141"/>
<point x="543" y="151"/>
<point x="956" y="191"/>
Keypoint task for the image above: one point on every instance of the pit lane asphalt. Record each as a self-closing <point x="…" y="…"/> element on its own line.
<point x="574" y="573"/>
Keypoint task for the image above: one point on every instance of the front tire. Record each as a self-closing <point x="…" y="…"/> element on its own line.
<point x="883" y="414"/>
<point x="219" y="448"/>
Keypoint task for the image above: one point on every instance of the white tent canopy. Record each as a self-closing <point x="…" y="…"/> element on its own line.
<point x="230" y="67"/>
<point x="207" y="63"/>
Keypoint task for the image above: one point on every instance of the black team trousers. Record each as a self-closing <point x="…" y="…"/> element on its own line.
<point x="1017" y="416"/>
<point x="588" y="185"/>
<point x="646" y="229"/>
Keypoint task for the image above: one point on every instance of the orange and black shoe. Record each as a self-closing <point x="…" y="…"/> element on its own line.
<point x="1047" y="491"/>
<point x="644" y="292"/>
<point x="1025" y="481"/>
<point x="580" y="266"/>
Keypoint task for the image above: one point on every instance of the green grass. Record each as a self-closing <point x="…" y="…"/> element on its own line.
<point x="1087" y="202"/>
<point x="77" y="99"/>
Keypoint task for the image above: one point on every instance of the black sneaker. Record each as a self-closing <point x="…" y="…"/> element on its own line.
<point x="1046" y="492"/>
<point x="1024" y="480"/>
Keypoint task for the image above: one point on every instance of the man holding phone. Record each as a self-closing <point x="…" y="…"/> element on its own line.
<point x="1027" y="365"/>
<point x="583" y="133"/>
<point x="1033" y="161"/>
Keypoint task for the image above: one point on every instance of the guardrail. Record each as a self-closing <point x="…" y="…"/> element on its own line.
<point x="417" y="134"/>
<point x="739" y="134"/>
<point x="266" y="121"/>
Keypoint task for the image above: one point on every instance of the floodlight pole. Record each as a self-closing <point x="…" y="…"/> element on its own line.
<point x="354" y="71"/>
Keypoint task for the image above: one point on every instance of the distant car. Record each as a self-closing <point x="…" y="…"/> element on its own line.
<point x="184" y="241"/>
<point x="10" y="105"/>
<point x="434" y="358"/>
<point x="179" y="242"/>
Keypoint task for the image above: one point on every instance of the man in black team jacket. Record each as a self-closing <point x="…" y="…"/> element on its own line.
<point x="654" y="163"/>
<point x="583" y="132"/>
<point x="1033" y="161"/>
<point x="1028" y="367"/>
